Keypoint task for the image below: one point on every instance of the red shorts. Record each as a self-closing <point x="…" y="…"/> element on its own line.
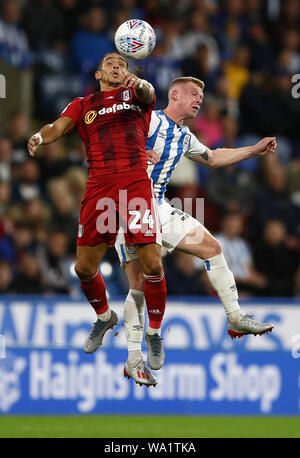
<point x="119" y="200"/>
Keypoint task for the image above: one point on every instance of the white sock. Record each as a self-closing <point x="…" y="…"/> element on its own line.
<point x="222" y="280"/>
<point x="134" y="315"/>
<point x="152" y="331"/>
<point x="105" y="316"/>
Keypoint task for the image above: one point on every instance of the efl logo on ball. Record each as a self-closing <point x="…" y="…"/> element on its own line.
<point x="135" y="39"/>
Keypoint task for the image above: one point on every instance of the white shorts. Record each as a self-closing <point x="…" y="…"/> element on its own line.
<point x="175" y="225"/>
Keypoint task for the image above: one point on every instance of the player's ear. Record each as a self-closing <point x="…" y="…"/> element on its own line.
<point x="98" y="75"/>
<point x="174" y="94"/>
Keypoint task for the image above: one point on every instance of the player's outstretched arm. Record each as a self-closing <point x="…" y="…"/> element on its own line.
<point x="50" y="133"/>
<point x="223" y="157"/>
<point x="142" y="88"/>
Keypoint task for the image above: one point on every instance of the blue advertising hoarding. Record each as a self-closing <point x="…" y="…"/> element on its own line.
<point x="206" y="372"/>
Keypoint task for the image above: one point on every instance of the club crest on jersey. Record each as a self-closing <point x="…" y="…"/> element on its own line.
<point x="90" y="116"/>
<point x="186" y="141"/>
<point x="126" y="95"/>
<point x="80" y="230"/>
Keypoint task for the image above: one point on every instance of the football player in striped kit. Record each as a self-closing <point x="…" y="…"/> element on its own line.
<point x="170" y="138"/>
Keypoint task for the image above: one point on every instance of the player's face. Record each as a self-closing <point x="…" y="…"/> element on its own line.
<point x="190" y="97"/>
<point x="113" y="70"/>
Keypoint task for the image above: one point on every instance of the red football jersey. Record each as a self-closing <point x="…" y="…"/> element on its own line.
<point x="113" y="126"/>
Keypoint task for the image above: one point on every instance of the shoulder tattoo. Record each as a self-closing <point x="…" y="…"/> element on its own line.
<point x="205" y="155"/>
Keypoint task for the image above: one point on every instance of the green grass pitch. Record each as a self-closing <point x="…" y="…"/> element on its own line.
<point x="110" y="426"/>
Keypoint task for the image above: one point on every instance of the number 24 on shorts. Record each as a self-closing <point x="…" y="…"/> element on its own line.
<point x="136" y="222"/>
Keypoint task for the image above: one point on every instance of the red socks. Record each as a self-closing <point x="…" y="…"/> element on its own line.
<point x="155" y="290"/>
<point x="95" y="292"/>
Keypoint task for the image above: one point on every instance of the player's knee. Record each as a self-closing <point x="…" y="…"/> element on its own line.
<point x="215" y="248"/>
<point x="210" y="249"/>
<point x="153" y="267"/>
<point x="84" y="270"/>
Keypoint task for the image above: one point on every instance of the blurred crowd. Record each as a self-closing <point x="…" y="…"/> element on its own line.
<point x="245" y="52"/>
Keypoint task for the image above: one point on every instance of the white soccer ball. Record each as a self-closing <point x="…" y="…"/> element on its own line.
<point x="135" y="39"/>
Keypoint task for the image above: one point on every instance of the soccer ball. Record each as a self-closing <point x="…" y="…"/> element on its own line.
<point x="135" y="39"/>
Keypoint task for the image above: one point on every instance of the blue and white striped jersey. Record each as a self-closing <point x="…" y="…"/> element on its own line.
<point x="169" y="141"/>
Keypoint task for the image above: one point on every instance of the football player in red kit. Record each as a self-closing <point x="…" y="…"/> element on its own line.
<point x="113" y="123"/>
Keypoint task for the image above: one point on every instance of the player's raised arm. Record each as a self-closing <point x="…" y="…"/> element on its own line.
<point x="223" y="157"/>
<point x="142" y="88"/>
<point x="50" y="133"/>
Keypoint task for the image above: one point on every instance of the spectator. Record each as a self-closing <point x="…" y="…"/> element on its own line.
<point x="43" y="23"/>
<point x="22" y="240"/>
<point x="236" y="70"/>
<point x="232" y="140"/>
<point x="221" y="95"/>
<point x="17" y="132"/>
<point x="153" y="13"/>
<point x="28" y="276"/>
<point x="69" y="10"/>
<point x="5" y="192"/>
<point x="52" y="162"/>
<point x="76" y="178"/>
<point x="182" y="276"/>
<point x="28" y="185"/>
<point x="52" y="257"/>
<point x="134" y="10"/>
<point x="230" y="10"/>
<point x="291" y="45"/>
<point x="289" y="19"/>
<point x="273" y="201"/>
<point x="90" y="41"/>
<point x="198" y="64"/>
<point x="197" y="34"/>
<point x="230" y="39"/>
<point x="5" y="159"/>
<point x="6" y="278"/>
<point x="239" y="256"/>
<point x="286" y="109"/>
<point x="37" y="214"/>
<point x="64" y="211"/>
<point x="14" y="47"/>
<point x="209" y="123"/>
<point x="275" y="261"/>
<point x="293" y="180"/>
<point x="254" y="10"/>
<point x="231" y="189"/>
<point x="255" y="110"/>
<point x="171" y="29"/>
<point x="261" y="53"/>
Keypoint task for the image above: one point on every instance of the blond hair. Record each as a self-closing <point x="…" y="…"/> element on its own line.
<point x="187" y="79"/>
